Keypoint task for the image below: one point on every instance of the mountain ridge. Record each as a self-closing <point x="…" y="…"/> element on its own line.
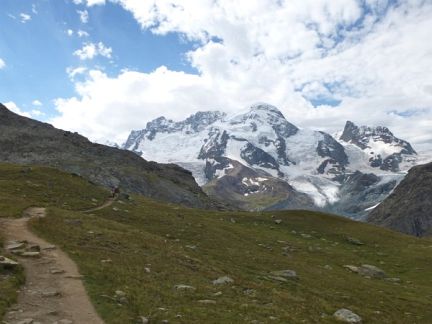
<point x="312" y="162"/>
<point x="26" y="141"/>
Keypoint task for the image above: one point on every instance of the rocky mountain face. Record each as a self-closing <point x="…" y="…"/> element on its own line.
<point x="385" y="150"/>
<point x="230" y="156"/>
<point x="409" y="208"/>
<point x="26" y="141"/>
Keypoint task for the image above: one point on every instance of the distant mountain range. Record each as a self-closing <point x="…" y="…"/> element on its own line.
<point x="257" y="160"/>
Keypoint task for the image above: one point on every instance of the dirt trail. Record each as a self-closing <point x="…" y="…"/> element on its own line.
<point x="104" y="205"/>
<point x="54" y="292"/>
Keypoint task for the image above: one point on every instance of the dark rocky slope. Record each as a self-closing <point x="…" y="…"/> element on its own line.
<point x="26" y="141"/>
<point x="409" y="208"/>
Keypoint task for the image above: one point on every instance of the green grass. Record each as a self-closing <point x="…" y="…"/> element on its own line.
<point x="141" y="234"/>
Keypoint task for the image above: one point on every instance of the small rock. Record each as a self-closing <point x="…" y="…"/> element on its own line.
<point x="290" y="274"/>
<point x="147" y="270"/>
<point x="351" y="268"/>
<point x="217" y="294"/>
<point x="354" y="241"/>
<point x="50" y="293"/>
<point x="306" y="235"/>
<point x="56" y="271"/>
<point x="26" y="321"/>
<point x="15" y="246"/>
<point x="347" y="316"/>
<point x="277" y="278"/>
<point x="233" y="220"/>
<point x="223" y="280"/>
<point x="328" y="267"/>
<point x="372" y="271"/>
<point x="30" y="254"/>
<point x="144" y="320"/>
<point x="6" y="263"/>
<point x="192" y="247"/>
<point x="33" y="248"/>
<point x="49" y="248"/>
<point x="278" y="221"/>
<point x="106" y="261"/>
<point x="250" y="292"/>
<point x="184" y="287"/>
<point x="65" y="321"/>
<point x="207" y="301"/>
<point x="120" y="293"/>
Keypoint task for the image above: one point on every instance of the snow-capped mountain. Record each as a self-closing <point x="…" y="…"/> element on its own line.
<point x="258" y="160"/>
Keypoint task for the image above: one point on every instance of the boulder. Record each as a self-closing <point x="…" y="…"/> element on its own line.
<point x="223" y="280"/>
<point x="347" y="316"/>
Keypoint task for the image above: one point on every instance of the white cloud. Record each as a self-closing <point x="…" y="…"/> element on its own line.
<point x="36" y="103"/>
<point x="95" y="2"/>
<point x="91" y="50"/>
<point x="82" y="33"/>
<point x="72" y="72"/>
<point x="376" y="62"/>
<point x="2" y="64"/>
<point x="37" y="113"/>
<point x="25" y="17"/>
<point x="70" y="32"/>
<point x="14" y="108"/>
<point x="34" y="9"/>
<point x="84" y="16"/>
<point x="89" y="3"/>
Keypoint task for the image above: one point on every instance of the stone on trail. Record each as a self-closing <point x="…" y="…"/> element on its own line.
<point x="26" y="321"/>
<point x="223" y="280"/>
<point x="15" y="246"/>
<point x="30" y="254"/>
<point x="50" y="293"/>
<point x="64" y="321"/>
<point x="347" y="316"/>
<point x="56" y="271"/>
<point x="6" y="263"/>
<point x="33" y="248"/>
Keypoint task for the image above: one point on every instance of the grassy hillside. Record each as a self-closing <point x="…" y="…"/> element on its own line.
<point x="145" y="249"/>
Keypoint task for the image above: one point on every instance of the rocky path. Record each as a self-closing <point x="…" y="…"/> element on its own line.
<point x="54" y="292"/>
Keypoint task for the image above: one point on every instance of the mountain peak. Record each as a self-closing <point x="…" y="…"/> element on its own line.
<point x="266" y="108"/>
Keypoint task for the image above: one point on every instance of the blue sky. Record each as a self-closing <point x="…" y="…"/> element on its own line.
<point x="105" y="67"/>
<point x="38" y="51"/>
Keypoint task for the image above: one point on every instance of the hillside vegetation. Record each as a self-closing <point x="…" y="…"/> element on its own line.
<point x="144" y="258"/>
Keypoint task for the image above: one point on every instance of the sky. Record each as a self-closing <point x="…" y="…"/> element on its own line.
<point x="105" y="67"/>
